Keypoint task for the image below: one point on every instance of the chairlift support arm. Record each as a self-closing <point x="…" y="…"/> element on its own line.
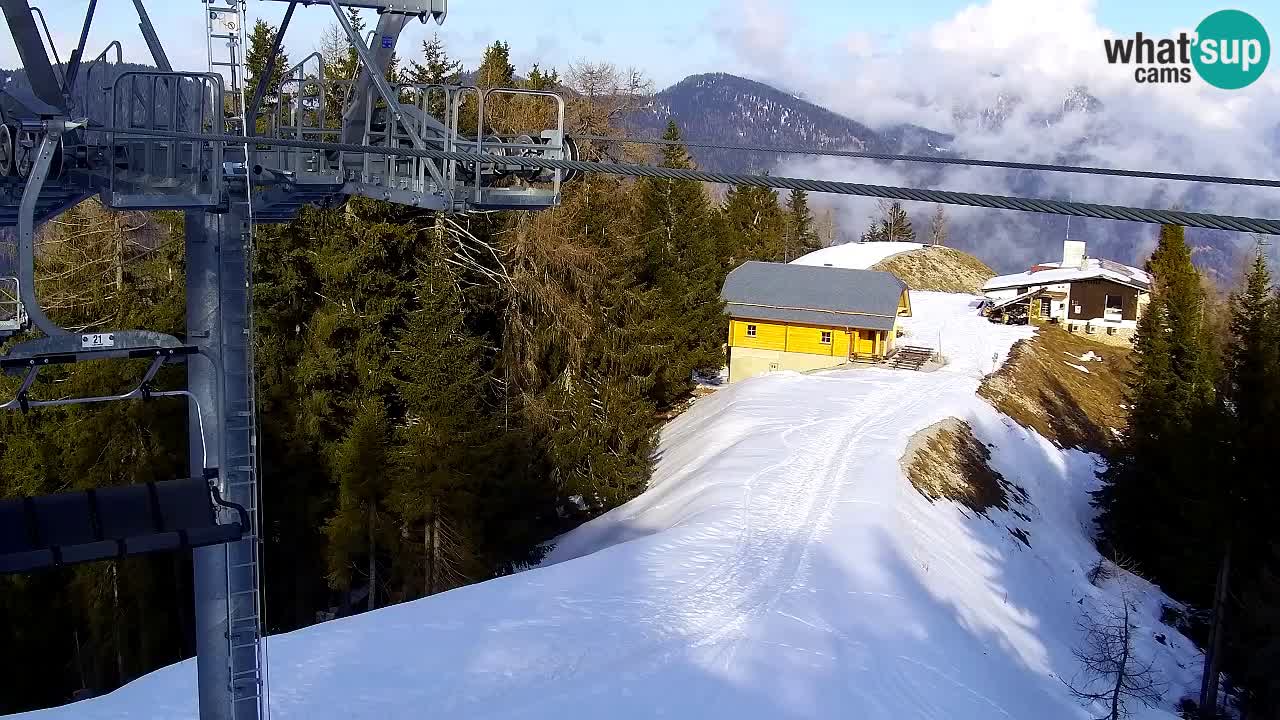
<point x="153" y="40"/>
<point x="27" y="231"/>
<point x="272" y="58"/>
<point x="35" y="61"/>
<point x="77" y="55"/>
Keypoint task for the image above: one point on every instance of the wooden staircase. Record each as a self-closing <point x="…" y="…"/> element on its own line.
<point x="909" y="357"/>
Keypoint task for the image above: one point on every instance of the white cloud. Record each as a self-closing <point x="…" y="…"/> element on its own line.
<point x="996" y="76"/>
<point x="756" y="33"/>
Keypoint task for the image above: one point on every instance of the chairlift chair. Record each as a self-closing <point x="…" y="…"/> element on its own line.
<point x="49" y="531"/>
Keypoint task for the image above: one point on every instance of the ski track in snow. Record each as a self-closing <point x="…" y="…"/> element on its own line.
<point x="779" y="566"/>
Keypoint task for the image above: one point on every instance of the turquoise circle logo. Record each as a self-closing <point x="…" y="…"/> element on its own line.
<point x="1232" y="49"/>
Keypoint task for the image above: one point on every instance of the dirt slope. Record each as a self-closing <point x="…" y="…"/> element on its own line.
<point x="938" y="268"/>
<point x="1044" y="387"/>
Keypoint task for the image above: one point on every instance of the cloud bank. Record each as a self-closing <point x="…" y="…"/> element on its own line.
<point x="1027" y="80"/>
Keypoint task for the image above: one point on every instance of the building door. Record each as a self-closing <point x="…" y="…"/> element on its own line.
<point x="864" y="342"/>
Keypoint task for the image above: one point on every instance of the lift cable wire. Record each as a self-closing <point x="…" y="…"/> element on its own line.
<point x="999" y="202"/>
<point x="1084" y="170"/>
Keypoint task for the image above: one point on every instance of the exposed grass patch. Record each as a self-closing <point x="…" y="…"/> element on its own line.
<point x="938" y="268"/>
<point x="946" y="460"/>
<point x="1073" y="409"/>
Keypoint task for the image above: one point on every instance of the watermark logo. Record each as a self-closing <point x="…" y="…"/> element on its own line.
<point x="1230" y="50"/>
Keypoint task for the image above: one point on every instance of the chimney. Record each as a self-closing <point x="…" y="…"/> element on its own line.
<point x="1072" y="253"/>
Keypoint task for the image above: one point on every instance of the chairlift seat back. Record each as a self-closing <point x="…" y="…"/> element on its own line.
<point x="18" y="550"/>
<point x="76" y="527"/>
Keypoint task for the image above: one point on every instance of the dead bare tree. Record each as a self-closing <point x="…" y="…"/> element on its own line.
<point x="603" y="96"/>
<point x="938" y="226"/>
<point x="1110" y="673"/>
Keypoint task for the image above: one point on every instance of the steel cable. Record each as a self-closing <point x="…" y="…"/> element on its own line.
<point x="889" y="192"/>
<point x="1039" y="167"/>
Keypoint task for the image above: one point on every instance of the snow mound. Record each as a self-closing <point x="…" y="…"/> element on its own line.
<point x="779" y="566"/>
<point x="1081" y="368"/>
<point x="856" y="255"/>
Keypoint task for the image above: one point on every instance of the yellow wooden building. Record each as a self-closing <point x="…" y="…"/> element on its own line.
<point x="800" y="317"/>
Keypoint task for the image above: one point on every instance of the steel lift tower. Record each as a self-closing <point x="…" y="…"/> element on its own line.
<point x="88" y="127"/>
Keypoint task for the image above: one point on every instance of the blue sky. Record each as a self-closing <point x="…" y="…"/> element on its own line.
<point x="669" y="39"/>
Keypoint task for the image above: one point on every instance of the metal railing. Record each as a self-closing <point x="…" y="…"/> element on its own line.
<point x="156" y="173"/>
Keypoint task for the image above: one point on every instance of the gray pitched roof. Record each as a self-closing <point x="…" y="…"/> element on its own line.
<point x="813" y="295"/>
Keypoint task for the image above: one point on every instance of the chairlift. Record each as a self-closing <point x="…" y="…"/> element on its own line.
<point x="49" y="531"/>
<point x="108" y="523"/>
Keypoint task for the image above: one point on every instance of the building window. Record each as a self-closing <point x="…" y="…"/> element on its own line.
<point x="1045" y="307"/>
<point x="751" y="331"/>
<point x="826" y="337"/>
<point x="1115" y="307"/>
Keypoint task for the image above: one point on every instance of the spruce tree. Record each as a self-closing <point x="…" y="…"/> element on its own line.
<point x="496" y="70"/>
<point x="893" y="225"/>
<point x="538" y="79"/>
<point x="440" y="458"/>
<point x="1248" y="499"/>
<point x="360" y="467"/>
<point x="260" y="41"/>
<point x="1253" y="394"/>
<point x="754" y="223"/>
<point x="436" y="68"/>
<point x="682" y="269"/>
<point x="800" y="235"/>
<point x="1155" y="504"/>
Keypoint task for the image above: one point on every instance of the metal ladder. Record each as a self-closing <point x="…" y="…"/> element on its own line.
<point x="227" y="44"/>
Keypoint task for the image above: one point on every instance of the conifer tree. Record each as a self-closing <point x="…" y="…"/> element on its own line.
<point x="360" y="466"/>
<point x="538" y="79"/>
<point x="1253" y="394"/>
<point x="1247" y="498"/>
<point x="800" y="235"/>
<point x="436" y="68"/>
<point x="683" y="266"/>
<point x="755" y="224"/>
<point x="496" y="69"/>
<point x="439" y="461"/>
<point x="260" y="42"/>
<point x="893" y="225"/>
<point x="1152" y="503"/>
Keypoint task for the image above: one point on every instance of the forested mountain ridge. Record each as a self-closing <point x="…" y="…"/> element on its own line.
<point x="728" y="109"/>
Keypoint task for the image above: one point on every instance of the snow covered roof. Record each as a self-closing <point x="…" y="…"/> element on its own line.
<point x="813" y="295"/>
<point x="856" y="255"/>
<point x="1054" y="273"/>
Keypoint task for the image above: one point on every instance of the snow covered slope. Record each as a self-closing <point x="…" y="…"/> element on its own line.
<point x="780" y="566"/>
<point x="856" y="255"/>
